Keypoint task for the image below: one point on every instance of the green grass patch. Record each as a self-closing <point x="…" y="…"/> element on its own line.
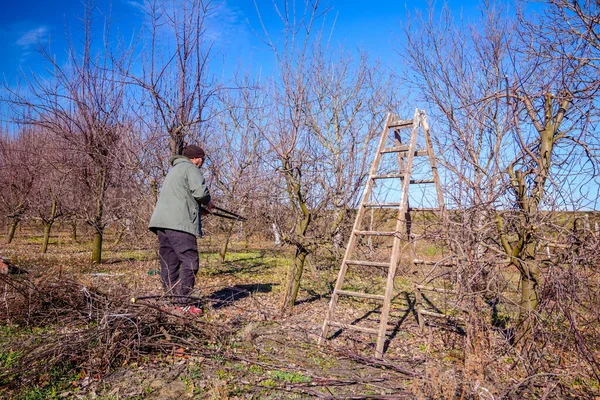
<point x="290" y="377"/>
<point x="9" y="359"/>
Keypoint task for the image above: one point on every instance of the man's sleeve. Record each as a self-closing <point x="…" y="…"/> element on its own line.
<point x="197" y="186"/>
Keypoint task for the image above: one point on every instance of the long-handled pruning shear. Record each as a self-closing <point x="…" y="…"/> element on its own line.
<point x="224" y="214"/>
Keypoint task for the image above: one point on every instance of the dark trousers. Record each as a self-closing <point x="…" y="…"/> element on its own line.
<point x="178" y="263"/>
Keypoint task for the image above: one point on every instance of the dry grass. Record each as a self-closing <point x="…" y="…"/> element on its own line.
<point x="71" y="329"/>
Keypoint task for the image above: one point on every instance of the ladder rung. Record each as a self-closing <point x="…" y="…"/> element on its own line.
<point x="359" y="294"/>
<point x="401" y="123"/>
<point x="353" y="327"/>
<point x="381" y="205"/>
<point x="388" y="176"/>
<point x="368" y="263"/>
<point x="420" y="181"/>
<point x="395" y="149"/>
<point x="424" y="209"/>
<point x="375" y="233"/>
<point x="433" y="289"/>
<point x="403" y="149"/>
<point x="438" y="315"/>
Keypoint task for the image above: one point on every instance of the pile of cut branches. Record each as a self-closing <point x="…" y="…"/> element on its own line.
<point x="83" y="329"/>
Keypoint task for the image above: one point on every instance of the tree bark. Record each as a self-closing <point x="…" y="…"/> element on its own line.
<point x="293" y="278"/>
<point x="74" y="230"/>
<point x="531" y="283"/>
<point x="12" y="230"/>
<point x="97" y="247"/>
<point x="47" y="229"/>
<point x="223" y="251"/>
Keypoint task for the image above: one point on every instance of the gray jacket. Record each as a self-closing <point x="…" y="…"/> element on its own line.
<point x="178" y="205"/>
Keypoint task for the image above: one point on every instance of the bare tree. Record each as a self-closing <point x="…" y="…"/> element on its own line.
<point x="319" y="124"/>
<point x="236" y="155"/>
<point x="513" y="119"/>
<point x="18" y="175"/>
<point x="81" y="104"/>
<point x="176" y="82"/>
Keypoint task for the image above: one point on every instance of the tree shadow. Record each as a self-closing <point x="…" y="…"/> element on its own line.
<point x="230" y="294"/>
<point x="449" y="324"/>
<point x="500" y="322"/>
<point x="231" y="268"/>
<point x="314" y="296"/>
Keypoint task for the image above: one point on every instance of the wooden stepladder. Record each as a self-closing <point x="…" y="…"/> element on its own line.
<point x="402" y="246"/>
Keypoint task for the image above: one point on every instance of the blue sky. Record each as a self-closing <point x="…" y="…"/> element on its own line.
<point x="372" y="25"/>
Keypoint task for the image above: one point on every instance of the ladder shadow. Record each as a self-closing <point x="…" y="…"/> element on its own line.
<point x="410" y="309"/>
<point x="378" y="309"/>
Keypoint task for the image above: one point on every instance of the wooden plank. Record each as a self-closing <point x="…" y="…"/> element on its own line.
<point x="432" y="160"/>
<point x="401" y="176"/>
<point x="395" y="149"/>
<point x="388" y="176"/>
<point x="401" y="123"/>
<point x="359" y="294"/>
<point x="382" y="205"/>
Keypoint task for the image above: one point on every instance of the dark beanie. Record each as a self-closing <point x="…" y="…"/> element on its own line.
<point x="193" y="151"/>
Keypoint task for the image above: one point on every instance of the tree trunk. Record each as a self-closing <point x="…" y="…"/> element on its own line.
<point x="74" y="230"/>
<point x="119" y="236"/>
<point x="97" y="222"/>
<point x="228" y="234"/>
<point x="48" y="223"/>
<point x="97" y="247"/>
<point x="12" y="230"/>
<point x="295" y="271"/>
<point x="293" y="278"/>
<point x="47" y="229"/>
<point x="531" y="282"/>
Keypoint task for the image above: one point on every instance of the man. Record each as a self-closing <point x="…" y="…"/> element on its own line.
<point x="176" y="221"/>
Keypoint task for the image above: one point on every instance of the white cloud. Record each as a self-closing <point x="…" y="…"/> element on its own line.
<point x="137" y="4"/>
<point x="32" y="37"/>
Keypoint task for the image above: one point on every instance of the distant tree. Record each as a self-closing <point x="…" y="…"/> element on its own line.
<point x="50" y="193"/>
<point x="19" y="167"/>
<point x="236" y="157"/>
<point x="81" y="103"/>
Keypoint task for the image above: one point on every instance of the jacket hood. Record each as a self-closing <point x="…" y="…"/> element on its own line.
<point x="177" y="159"/>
